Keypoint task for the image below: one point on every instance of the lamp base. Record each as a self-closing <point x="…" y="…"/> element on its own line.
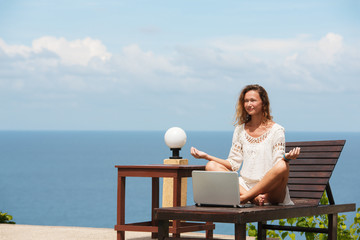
<point x="168" y="193"/>
<point x="175" y="153"/>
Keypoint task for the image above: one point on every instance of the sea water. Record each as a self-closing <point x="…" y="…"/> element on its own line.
<point x="68" y="178"/>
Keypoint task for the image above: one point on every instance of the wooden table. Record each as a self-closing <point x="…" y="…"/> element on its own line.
<point x="155" y="172"/>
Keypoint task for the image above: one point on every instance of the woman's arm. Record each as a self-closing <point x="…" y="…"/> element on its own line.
<point x="203" y="155"/>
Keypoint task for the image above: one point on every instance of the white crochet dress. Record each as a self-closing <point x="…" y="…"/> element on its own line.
<point x="257" y="155"/>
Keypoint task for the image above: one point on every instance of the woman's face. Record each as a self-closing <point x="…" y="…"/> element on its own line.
<point x="253" y="103"/>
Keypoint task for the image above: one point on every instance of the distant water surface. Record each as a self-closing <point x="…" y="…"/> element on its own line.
<point x="69" y="179"/>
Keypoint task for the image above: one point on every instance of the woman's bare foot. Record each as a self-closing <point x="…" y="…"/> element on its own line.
<point x="260" y="200"/>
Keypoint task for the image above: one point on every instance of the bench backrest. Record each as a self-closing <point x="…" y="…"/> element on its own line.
<point x="311" y="171"/>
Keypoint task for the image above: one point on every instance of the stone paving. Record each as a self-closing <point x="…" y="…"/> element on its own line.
<point x="36" y="232"/>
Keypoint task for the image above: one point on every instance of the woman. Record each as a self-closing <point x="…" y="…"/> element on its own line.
<point x="259" y="146"/>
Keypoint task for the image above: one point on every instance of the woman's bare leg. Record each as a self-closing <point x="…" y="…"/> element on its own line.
<point x="215" y="166"/>
<point x="271" y="188"/>
<point x="258" y="200"/>
<point x="242" y="190"/>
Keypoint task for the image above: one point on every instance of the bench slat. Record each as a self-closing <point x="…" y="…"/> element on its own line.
<point x="296" y="187"/>
<point x="319" y="155"/>
<point x="317" y="143"/>
<point x="319" y="161"/>
<point x="306" y="194"/>
<point x="308" y="180"/>
<point x="310" y="174"/>
<point x="302" y="201"/>
<point x="312" y="168"/>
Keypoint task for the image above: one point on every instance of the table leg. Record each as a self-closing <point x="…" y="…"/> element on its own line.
<point x="240" y="231"/>
<point x="121" y="207"/>
<point x="176" y="202"/>
<point x="154" y="202"/>
<point x="177" y="192"/>
<point x="163" y="229"/>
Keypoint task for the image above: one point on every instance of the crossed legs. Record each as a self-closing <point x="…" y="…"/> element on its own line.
<point x="270" y="189"/>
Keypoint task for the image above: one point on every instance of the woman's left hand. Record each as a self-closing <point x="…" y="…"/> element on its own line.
<point x="293" y="154"/>
<point x="198" y="154"/>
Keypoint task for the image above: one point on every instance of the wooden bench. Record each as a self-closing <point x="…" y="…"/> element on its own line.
<point x="309" y="178"/>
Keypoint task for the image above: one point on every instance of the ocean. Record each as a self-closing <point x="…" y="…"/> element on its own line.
<point x="68" y="178"/>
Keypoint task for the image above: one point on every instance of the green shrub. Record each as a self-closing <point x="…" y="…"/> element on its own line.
<point x="6" y="218"/>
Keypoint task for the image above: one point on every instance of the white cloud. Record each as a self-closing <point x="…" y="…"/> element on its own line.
<point x="301" y="64"/>
<point x="137" y="61"/>
<point x="85" y="65"/>
<point x="242" y="44"/>
<point x="326" y="51"/>
<point x="13" y="50"/>
<point x="77" y="52"/>
<point x="73" y="52"/>
<point x="323" y="51"/>
<point x="82" y="75"/>
<point x="331" y="44"/>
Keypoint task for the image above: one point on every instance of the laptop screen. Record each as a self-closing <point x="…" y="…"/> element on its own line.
<point x="216" y="188"/>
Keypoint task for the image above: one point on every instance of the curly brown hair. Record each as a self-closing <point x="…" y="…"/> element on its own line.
<point x="241" y="115"/>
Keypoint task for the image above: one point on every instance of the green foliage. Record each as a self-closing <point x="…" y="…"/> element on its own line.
<point x="251" y="229"/>
<point x="343" y="232"/>
<point x="355" y="227"/>
<point x="6" y="218"/>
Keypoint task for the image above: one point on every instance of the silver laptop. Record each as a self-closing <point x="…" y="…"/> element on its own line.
<point x="216" y="189"/>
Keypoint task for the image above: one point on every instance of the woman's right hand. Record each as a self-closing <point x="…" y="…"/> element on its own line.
<point x="293" y="154"/>
<point x="198" y="154"/>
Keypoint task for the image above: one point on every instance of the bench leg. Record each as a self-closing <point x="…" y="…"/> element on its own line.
<point x="240" y="231"/>
<point x="209" y="233"/>
<point x="332" y="226"/>
<point x="163" y="231"/>
<point x="261" y="231"/>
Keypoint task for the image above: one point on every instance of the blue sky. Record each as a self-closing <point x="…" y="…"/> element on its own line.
<point x="151" y="65"/>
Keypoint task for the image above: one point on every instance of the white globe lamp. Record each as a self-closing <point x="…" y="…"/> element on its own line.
<point x="175" y="139"/>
